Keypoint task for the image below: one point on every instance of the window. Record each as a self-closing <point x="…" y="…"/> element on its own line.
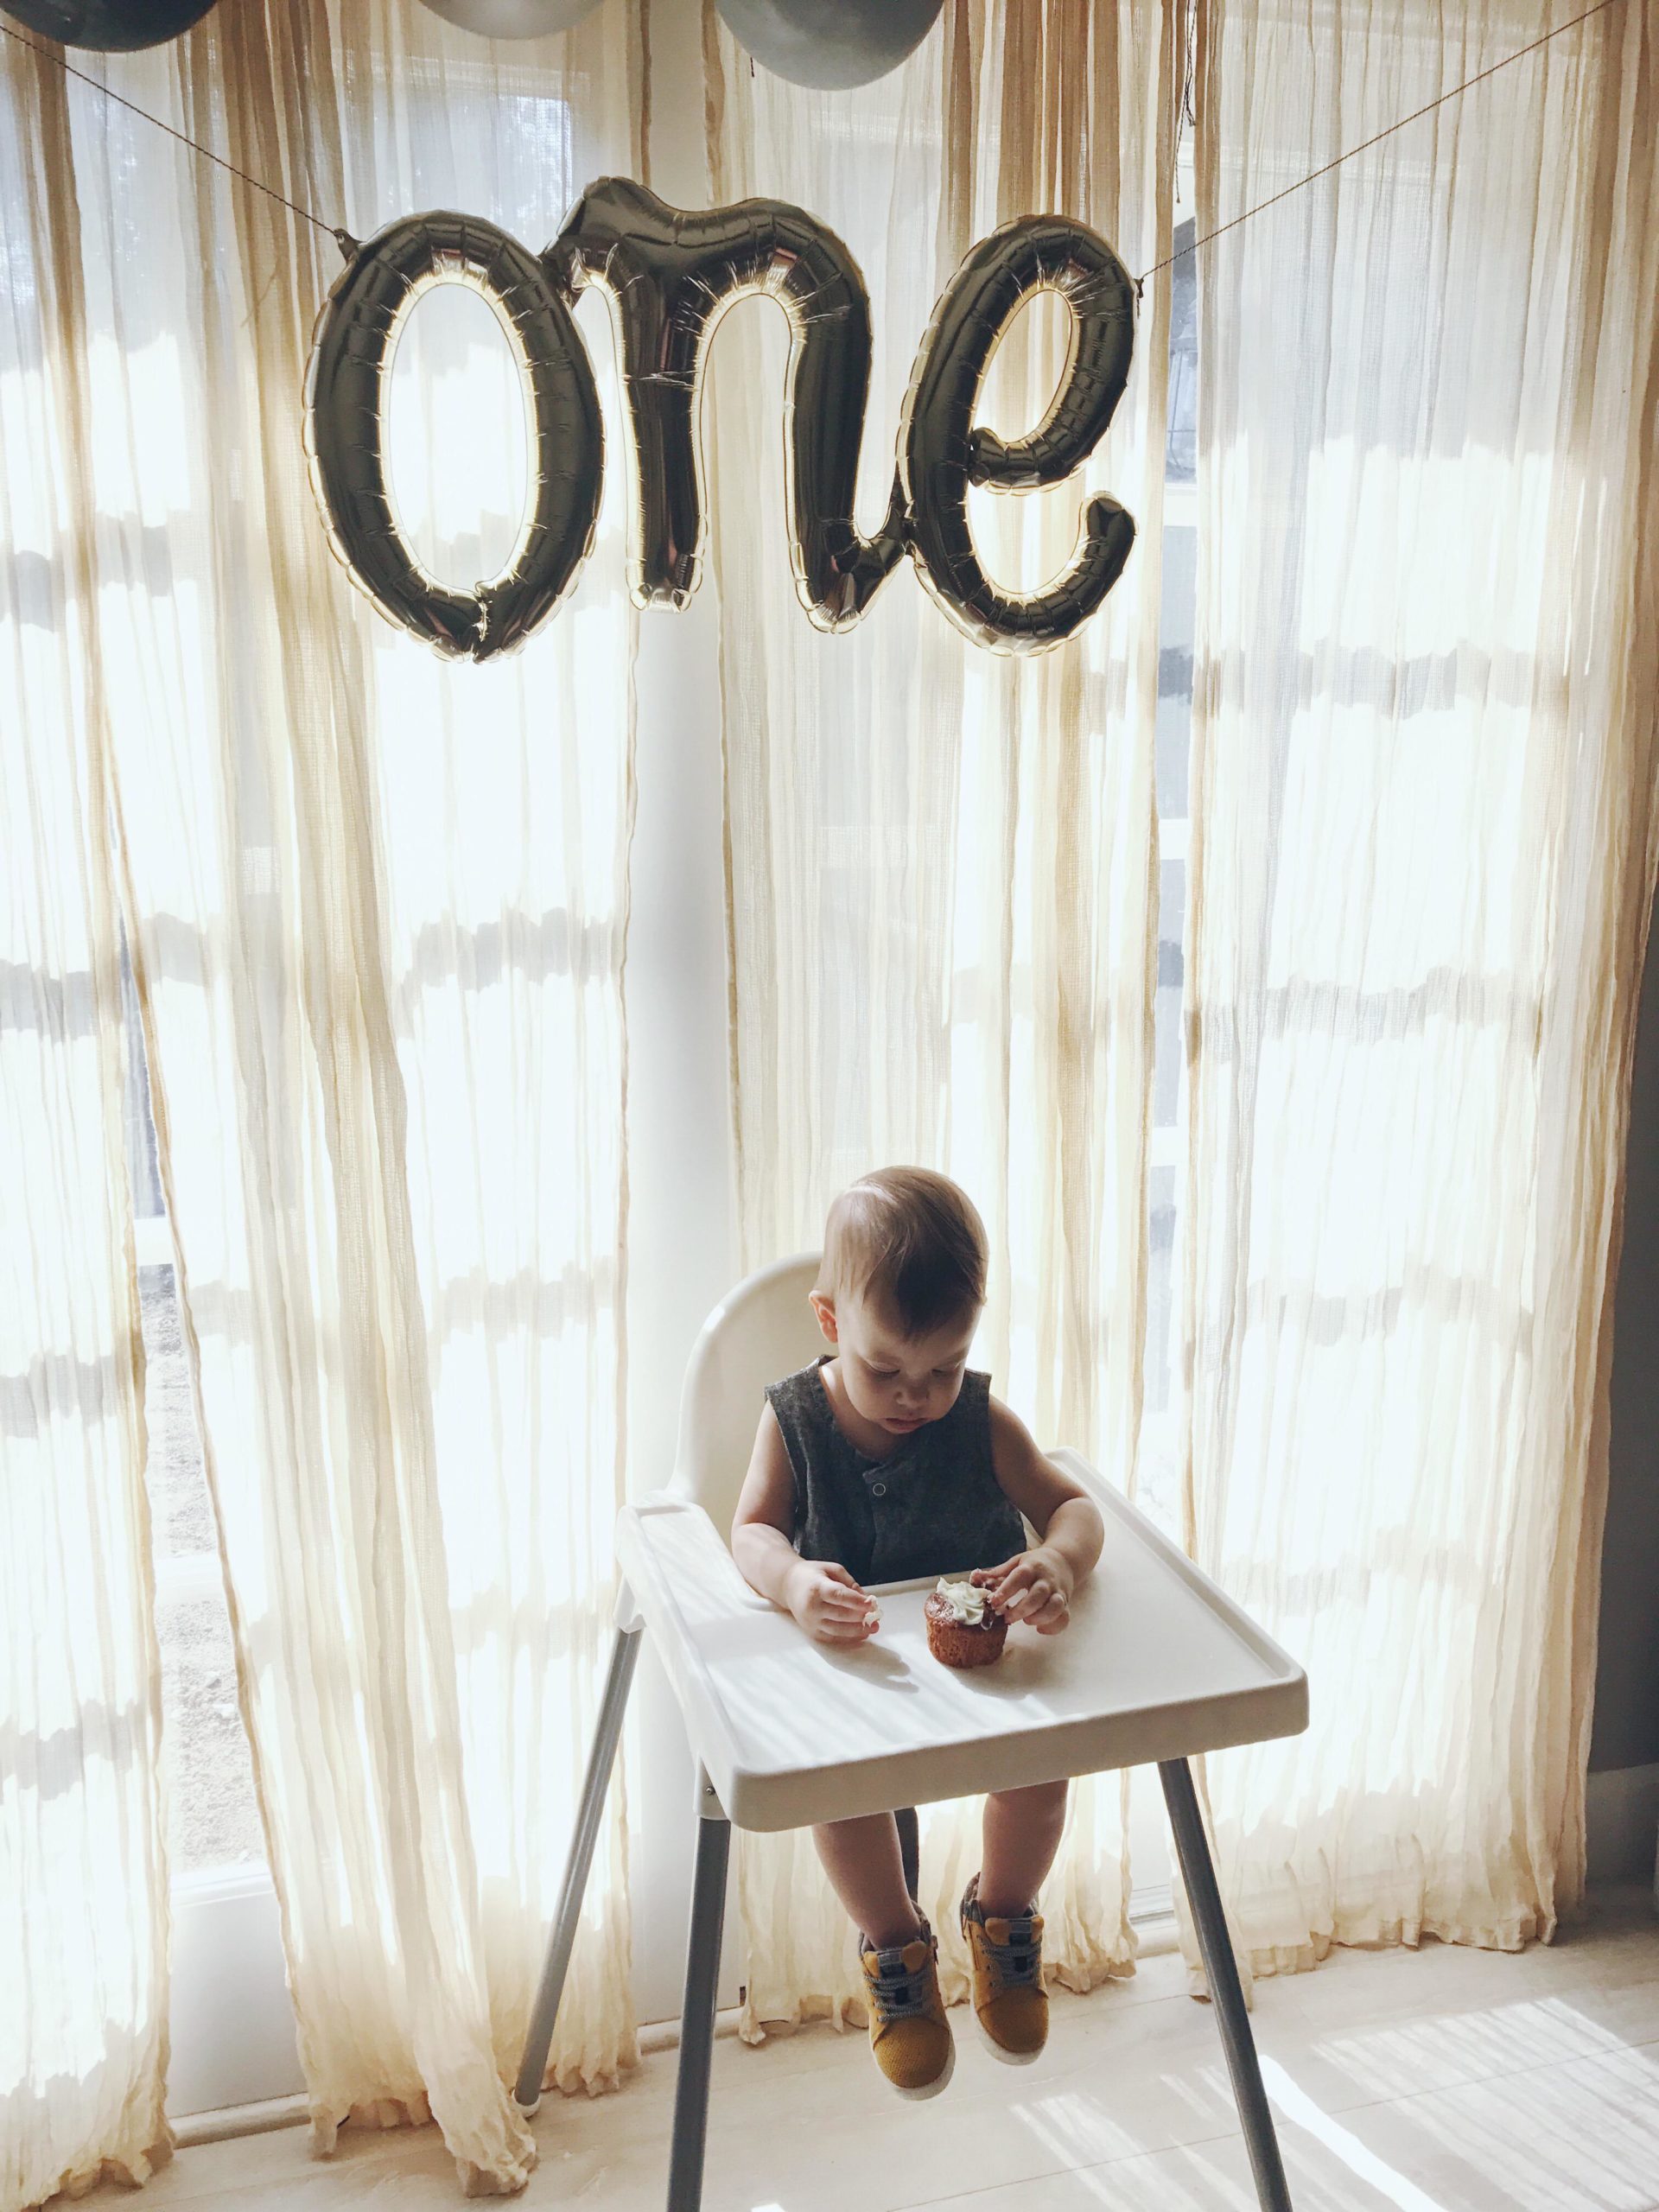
<point x="232" y="2025"/>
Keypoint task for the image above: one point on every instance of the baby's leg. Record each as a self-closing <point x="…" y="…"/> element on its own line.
<point x="862" y="1859"/>
<point x="1021" y="1835"/>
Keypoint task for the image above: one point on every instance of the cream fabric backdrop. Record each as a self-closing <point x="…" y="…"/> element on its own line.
<point x="1423" y="859"/>
<point x="379" y="916"/>
<point x="83" y="1878"/>
<point x="942" y="864"/>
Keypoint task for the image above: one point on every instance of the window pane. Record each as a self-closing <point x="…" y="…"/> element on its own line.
<point x="1181" y="453"/>
<point x="181" y="1516"/>
<point x="212" y="1816"/>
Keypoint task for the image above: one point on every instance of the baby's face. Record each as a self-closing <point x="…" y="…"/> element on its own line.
<point x="900" y="1382"/>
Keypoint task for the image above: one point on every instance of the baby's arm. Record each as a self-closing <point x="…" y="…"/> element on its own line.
<point x="1037" y="1586"/>
<point x="821" y="1595"/>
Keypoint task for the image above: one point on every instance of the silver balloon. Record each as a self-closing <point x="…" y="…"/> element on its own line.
<point x="831" y="44"/>
<point x="108" y="26"/>
<point x="941" y="451"/>
<point x="345" y="430"/>
<point x="513" y="18"/>
<point x="668" y="276"/>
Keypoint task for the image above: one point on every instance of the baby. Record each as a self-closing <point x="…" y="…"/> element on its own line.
<point x="887" y="1460"/>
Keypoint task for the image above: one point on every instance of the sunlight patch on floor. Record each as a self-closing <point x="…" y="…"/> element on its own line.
<point x="1290" y="2098"/>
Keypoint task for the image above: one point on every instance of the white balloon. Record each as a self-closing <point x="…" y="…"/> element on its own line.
<point x="830" y="44"/>
<point x="513" y="18"/>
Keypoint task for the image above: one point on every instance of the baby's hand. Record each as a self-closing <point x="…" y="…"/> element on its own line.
<point x="1033" y="1586"/>
<point x="829" y="1605"/>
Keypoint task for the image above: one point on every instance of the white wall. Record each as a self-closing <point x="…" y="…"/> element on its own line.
<point x="1627" y="1675"/>
<point x="682" y="1238"/>
<point x="1624" y="1795"/>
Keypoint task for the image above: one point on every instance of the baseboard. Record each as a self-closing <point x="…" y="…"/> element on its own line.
<point x="1622" y="1824"/>
<point x="240" y="2120"/>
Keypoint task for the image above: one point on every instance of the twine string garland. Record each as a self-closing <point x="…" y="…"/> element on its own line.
<point x="347" y="244"/>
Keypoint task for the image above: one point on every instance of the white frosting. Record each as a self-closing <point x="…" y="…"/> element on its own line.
<point x="965" y="1599"/>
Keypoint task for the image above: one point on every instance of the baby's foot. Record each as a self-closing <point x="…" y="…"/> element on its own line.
<point x="910" y="2037"/>
<point x="1010" y="2003"/>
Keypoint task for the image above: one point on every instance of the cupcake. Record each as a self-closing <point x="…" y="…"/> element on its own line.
<point x="963" y="1630"/>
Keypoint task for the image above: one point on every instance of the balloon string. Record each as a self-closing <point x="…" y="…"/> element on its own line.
<point x="1366" y="144"/>
<point x="342" y="237"/>
<point x="347" y="244"/>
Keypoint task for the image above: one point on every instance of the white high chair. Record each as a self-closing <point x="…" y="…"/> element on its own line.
<point x="1158" y="1664"/>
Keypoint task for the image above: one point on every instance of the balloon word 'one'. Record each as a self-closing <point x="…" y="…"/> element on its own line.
<point x="668" y="276"/>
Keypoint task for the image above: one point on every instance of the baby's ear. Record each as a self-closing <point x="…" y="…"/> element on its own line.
<point x="825" y="1310"/>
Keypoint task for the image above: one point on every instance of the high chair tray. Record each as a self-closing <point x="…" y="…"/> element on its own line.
<point x="1158" y="1663"/>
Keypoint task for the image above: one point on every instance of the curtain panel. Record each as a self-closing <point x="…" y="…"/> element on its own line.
<point x="83" y="1876"/>
<point x="1423" y="860"/>
<point x="377" y="910"/>
<point x="940" y="862"/>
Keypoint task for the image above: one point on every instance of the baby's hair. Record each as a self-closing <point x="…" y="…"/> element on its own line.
<point x="910" y="1241"/>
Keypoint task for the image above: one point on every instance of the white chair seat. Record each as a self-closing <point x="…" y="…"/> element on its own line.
<point x="1157" y="1664"/>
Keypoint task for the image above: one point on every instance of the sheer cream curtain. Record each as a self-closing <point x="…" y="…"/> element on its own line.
<point x="379" y="910"/>
<point x="1423" y="858"/>
<point x="941" y="863"/>
<point x="83" y="1877"/>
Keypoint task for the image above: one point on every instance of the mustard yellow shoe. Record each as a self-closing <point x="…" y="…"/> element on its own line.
<point x="910" y="2037"/>
<point x="1010" y="2003"/>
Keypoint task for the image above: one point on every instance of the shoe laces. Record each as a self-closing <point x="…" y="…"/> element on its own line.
<point x="899" y="1992"/>
<point x="1014" y="1964"/>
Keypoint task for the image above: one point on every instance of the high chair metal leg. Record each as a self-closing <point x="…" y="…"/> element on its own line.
<point x="606" y="1734"/>
<point x="697" y="2013"/>
<point x="1226" y="1993"/>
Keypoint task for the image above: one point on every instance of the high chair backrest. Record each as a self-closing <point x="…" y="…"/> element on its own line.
<point x="762" y="1330"/>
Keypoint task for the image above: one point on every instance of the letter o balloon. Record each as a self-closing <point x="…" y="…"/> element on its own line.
<point x="346" y="390"/>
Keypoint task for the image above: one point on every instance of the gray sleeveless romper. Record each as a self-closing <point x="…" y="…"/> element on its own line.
<point x="932" y="1507"/>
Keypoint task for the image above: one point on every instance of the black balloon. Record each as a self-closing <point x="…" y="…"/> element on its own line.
<point x="345" y="390"/>
<point x="668" y="276"/>
<point x="941" y="451"/>
<point x="108" y="26"/>
<point x="830" y="44"/>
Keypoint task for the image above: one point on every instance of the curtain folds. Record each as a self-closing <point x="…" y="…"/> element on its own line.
<point x="942" y="863"/>
<point x="83" y="1874"/>
<point x="378" y="914"/>
<point x="376" y="908"/>
<point x="1423" y="858"/>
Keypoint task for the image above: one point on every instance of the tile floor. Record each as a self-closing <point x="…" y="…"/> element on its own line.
<point x="1439" y="2081"/>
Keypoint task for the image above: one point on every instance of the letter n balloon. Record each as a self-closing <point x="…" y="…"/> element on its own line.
<point x="670" y="275"/>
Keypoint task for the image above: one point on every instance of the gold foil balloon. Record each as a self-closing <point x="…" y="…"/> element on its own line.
<point x="941" y="451"/>
<point x="830" y="44"/>
<point x="346" y="430"/>
<point x="669" y="277"/>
